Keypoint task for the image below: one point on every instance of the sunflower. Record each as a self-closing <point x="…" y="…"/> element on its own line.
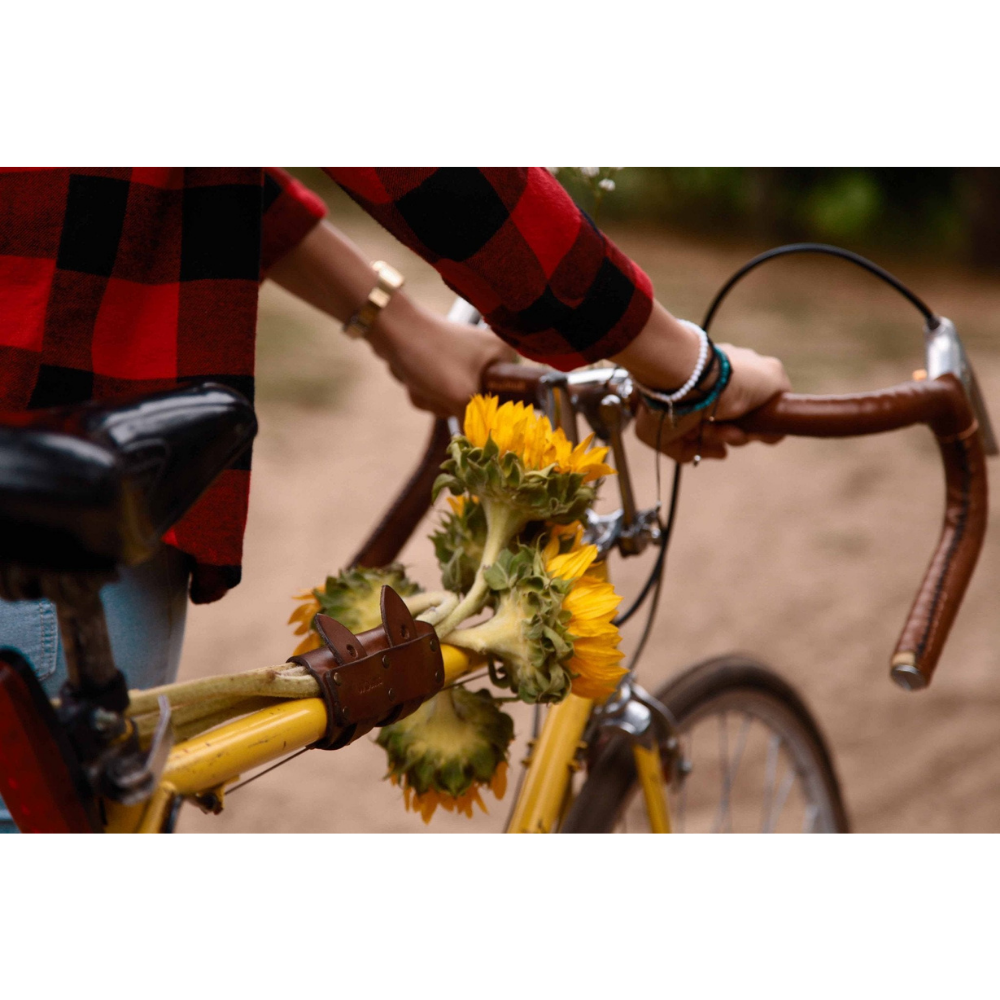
<point x="521" y="470"/>
<point x="596" y="660"/>
<point x="591" y="603"/>
<point x="458" y="543"/>
<point x="352" y="597"/>
<point x="304" y="615"/>
<point x="552" y="631"/>
<point x="448" y="750"/>
<point x="427" y="803"/>
<point x="518" y="429"/>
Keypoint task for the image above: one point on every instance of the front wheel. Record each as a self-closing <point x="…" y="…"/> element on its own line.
<point x="750" y="759"/>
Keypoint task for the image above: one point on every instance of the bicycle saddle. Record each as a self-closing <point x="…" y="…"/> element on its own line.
<point x="87" y="487"/>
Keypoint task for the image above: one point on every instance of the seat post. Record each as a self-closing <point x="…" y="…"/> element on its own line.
<point x="84" y="629"/>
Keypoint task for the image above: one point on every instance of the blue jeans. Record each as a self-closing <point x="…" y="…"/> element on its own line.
<point x="145" y="611"/>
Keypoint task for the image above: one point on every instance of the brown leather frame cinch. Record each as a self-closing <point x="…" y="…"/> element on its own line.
<point x="376" y="677"/>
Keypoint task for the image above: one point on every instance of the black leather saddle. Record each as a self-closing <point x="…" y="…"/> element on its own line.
<point x="86" y="487"/>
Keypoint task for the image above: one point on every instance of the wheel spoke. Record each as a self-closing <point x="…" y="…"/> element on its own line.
<point x="779" y="802"/>
<point x="764" y="748"/>
<point x="729" y="769"/>
<point x="723" y="812"/>
<point x="770" y="776"/>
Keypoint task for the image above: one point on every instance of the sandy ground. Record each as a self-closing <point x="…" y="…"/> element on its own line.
<point x="806" y="555"/>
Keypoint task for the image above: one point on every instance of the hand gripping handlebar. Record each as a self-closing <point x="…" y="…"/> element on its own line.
<point x="940" y="403"/>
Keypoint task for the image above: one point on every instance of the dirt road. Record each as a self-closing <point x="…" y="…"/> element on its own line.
<point x="806" y="554"/>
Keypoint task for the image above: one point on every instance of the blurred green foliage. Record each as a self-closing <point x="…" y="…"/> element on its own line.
<point x="948" y="212"/>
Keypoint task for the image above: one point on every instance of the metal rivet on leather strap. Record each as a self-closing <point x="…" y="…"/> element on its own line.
<point x="385" y="661"/>
<point x="389" y="694"/>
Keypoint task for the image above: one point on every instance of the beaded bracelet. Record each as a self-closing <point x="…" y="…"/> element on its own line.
<point x="665" y="401"/>
<point x="704" y="353"/>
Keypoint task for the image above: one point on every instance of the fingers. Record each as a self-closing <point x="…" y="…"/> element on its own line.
<point x="725" y="433"/>
<point x="707" y="438"/>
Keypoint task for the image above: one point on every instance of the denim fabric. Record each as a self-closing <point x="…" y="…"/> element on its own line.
<point x="145" y="611"/>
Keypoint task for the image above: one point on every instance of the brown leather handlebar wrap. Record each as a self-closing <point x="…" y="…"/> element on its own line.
<point x="942" y="405"/>
<point x="376" y="677"/>
<point x="513" y="382"/>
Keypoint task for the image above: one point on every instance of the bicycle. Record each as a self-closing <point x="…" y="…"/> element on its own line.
<point x="89" y="766"/>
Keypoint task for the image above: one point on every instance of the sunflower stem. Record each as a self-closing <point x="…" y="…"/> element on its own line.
<point x="502" y="524"/>
<point x="418" y="604"/>
<point x="437" y="613"/>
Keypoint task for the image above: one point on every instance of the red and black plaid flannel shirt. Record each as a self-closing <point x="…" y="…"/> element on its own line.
<point x="120" y="281"/>
<point x="513" y="243"/>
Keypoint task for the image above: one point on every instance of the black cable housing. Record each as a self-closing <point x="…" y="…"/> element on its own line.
<point x="655" y="578"/>
<point x="822" y="248"/>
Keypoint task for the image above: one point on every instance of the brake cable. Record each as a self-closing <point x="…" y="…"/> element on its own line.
<point x="654" y="579"/>
<point x="832" y="251"/>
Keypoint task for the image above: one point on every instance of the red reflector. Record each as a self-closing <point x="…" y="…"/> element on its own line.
<point x="40" y="780"/>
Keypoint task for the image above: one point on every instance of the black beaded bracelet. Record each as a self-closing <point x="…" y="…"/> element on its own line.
<point x="684" y="409"/>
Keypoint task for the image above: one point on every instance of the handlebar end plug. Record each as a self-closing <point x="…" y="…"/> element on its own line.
<point x="908" y="677"/>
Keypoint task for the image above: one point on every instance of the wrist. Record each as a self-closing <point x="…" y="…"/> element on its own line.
<point x="664" y="353"/>
<point x="388" y="281"/>
<point x="702" y="398"/>
<point x="401" y="320"/>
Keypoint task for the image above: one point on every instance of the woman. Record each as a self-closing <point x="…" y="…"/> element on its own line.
<point x="120" y="281"/>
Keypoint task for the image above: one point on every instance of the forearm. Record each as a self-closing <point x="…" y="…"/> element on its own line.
<point x="329" y="272"/>
<point x="440" y="362"/>
<point x="663" y="354"/>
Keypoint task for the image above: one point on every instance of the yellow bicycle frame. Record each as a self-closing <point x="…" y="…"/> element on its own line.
<point x="207" y="764"/>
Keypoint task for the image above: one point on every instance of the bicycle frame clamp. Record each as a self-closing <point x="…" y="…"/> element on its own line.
<point x="376" y="677"/>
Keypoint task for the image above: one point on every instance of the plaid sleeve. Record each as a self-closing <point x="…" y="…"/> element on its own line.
<point x="512" y="242"/>
<point x="290" y="212"/>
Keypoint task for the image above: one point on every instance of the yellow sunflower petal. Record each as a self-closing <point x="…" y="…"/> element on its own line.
<point x="517" y="428"/>
<point x="573" y="564"/>
<point x="498" y="783"/>
<point x="310" y="642"/>
<point x="480" y="416"/>
<point x="591" y="599"/>
<point x="595" y="689"/>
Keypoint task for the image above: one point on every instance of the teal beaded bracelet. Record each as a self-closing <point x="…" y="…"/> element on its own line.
<point x="655" y="402"/>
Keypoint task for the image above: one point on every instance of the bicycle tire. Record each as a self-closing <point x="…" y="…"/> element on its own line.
<point x="716" y="688"/>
